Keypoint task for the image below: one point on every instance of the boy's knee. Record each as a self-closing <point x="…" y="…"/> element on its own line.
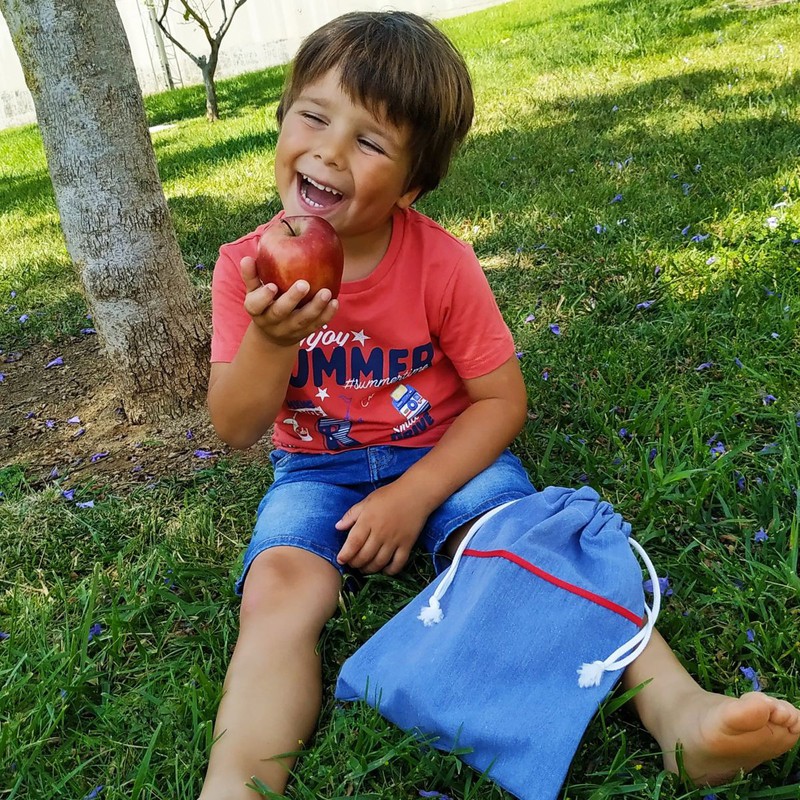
<point x="290" y="584"/>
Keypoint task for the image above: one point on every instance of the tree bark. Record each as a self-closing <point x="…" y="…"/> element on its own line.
<point x="114" y="215"/>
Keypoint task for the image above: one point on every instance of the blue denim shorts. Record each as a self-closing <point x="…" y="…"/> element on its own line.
<point x="310" y="493"/>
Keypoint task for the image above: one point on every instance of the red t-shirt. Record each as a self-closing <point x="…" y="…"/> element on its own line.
<point x="389" y="367"/>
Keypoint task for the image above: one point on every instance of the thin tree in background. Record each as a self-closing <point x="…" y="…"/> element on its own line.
<point x="116" y="223"/>
<point x="200" y="13"/>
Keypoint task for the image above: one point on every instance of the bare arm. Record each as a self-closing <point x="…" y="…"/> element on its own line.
<point x="245" y="395"/>
<point x="385" y="525"/>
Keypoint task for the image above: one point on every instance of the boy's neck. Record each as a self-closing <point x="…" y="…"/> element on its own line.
<point x="362" y="254"/>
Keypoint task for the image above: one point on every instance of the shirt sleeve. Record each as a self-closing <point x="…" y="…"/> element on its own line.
<point x="472" y="331"/>
<point x="228" y="318"/>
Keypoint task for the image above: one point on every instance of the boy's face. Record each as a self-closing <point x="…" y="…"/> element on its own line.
<point x="337" y="160"/>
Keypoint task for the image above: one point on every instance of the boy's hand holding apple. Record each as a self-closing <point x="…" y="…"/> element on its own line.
<point x="293" y="282"/>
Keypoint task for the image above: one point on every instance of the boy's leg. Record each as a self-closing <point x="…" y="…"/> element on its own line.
<point x="272" y="691"/>
<point x="719" y="735"/>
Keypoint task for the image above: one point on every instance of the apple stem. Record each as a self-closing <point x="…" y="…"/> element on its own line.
<point x="289" y="227"/>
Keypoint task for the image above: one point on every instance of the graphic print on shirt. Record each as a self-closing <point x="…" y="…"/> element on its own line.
<point x="341" y="370"/>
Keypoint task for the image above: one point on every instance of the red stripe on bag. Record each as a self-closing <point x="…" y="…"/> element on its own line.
<point x="570" y="587"/>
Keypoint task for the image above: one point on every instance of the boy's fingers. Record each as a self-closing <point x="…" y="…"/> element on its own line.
<point x="366" y="554"/>
<point x="247" y="267"/>
<point x="399" y="560"/>
<point x="353" y="544"/>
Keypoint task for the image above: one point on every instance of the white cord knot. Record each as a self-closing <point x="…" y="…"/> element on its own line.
<point x="431" y="613"/>
<point x="590" y="674"/>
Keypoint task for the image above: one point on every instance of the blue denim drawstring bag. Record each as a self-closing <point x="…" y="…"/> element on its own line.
<point x="505" y="656"/>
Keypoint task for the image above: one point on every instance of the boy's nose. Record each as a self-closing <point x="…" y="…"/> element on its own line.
<point x="330" y="149"/>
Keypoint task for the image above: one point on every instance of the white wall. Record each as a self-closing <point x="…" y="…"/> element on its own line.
<point x="264" y="33"/>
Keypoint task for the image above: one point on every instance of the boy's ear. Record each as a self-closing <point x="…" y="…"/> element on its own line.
<point x="404" y="201"/>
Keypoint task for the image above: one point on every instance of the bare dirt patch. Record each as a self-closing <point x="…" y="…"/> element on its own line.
<point x="65" y="421"/>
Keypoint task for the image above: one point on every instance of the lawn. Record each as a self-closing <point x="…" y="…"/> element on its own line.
<point x="631" y="186"/>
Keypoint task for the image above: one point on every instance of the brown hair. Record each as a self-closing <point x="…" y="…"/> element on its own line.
<point x="401" y="65"/>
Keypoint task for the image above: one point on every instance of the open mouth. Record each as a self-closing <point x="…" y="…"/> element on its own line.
<point x="317" y="195"/>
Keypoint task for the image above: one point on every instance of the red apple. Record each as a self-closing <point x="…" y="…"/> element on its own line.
<point x="301" y="248"/>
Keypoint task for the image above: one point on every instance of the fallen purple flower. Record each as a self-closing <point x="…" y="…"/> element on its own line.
<point x="54" y="472"/>
<point x="74" y="420"/>
<point x="68" y="494"/>
<point x="2" y="376"/>
<point x="740" y="481"/>
<point x="4" y="636"/>
<point x="30" y="414"/>
<point x="546" y="375"/>
<point x="24" y="318"/>
<point x="617" y="198"/>
<point x="760" y="536"/>
<point x="88" y="331"/>
<point x="700" y="237"/>
<point x="751" y="635"/>
<point x="95" y="793"/>
<point x="600" y="228"/>
<point x="554" y="329"/>
<point x="98" y="456"/>
<point x="685" y="230"/>
<point x="711" y="260"/>
<point x="645" y="304"/>
<point x="775" y="335"/>
<point x="704" y="365"/>
<point x="651" y="456"/>
<point x="190" y="434"/>
<point x="439" y="795"/>
<point x="95" y="630"/>
<point x="78" y="433"/>
<point x="623" y="433"/>
<point x="738" y="363"/>
<point x="752" y="676"/>
<point x="519" y="353"/>
<point x="663" y="584"/>
<point x="50" y="423"/>
<point x="56" y="362"/>
<point x="772" y="223"/>
<point x="768" y="399"/>
<point x="718" y="449"/>
<point x="85" y="504"/>
<point x="530" y="318"/>
<point x="686" y="188"/>
<point x="204" y="453"/>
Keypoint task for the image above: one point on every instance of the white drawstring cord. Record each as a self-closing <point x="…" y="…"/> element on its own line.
<point x="590" y="674"/>
<point x="432" y="613"/>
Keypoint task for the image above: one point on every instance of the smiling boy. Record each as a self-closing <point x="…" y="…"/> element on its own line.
<point x="393" y="405"/>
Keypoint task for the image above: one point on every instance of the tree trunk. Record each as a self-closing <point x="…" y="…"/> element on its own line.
<point x="208" y="69"/>
<point x="114" y="216"/>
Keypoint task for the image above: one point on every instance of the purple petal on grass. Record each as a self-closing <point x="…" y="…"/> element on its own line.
<point x="795" y="241"/>
<point x="698" y="166"/>
<point x="768" y="448"/>
<point x="704" y="365"/>
<point x="772" y="223"/>
<point x="623" y="433"/>
<point x="663" y="584"/>
<point x="760" y="536"/>
<point x="546" y="375"/>
<point x="439" y="795"/>
<point x="651" y="456"/>
<point x="600" y="228"/>
<point x="2" y="376"/>
<point x="617" y="198"/>
<point x="775" y="335"/>
<point x="54" y="472"/>
<point x="656" y="271"/>
<point x="686" y="188"/>
<point x="24" y="318"/>
<point x="190" y="434"/>
<point x="50" y="423"/>
<point x="645" y="304"/>
<point x="4" y="636"/>
<point x="738" y="362"/>
<point x="68" y="494"/>
<point x="700" y="237"/>
<point x="752" y="676"/>
<point x="768" y="399"/>
<point x="768" y="292"/>
<point x="88" y="331"/>
<point x="86" y="504"/>
<point x="711" y="260"/>
<point x="554" y="329"/>
<point x="519" y="353"/>
<point x="95" y="630"/>
<point x="204" y="453"/>
<point x="710" y="797"/>
<point x="530" y="318"/>
<point x="30" y="414"/>
<point x="615" y="108"/>
<point x="583" y="477"/>
<point x="74" y="420"/>
<point x="685" y="230"/>
<point x="718" y="449"/>
<point x="98" y="456"/>
<point x="56" y="362"/>
<point x="78" y="433"/>
<point x="95" y="793"/>
<point x="751" y="635"/>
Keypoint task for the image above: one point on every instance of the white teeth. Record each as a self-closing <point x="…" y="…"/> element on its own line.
<point x="321" y="186"/>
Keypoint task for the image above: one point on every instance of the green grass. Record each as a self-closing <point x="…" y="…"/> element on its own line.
<point x="685" y="108"/>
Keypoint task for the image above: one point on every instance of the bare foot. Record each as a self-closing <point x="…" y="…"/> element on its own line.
<point x="721" y="736"/>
